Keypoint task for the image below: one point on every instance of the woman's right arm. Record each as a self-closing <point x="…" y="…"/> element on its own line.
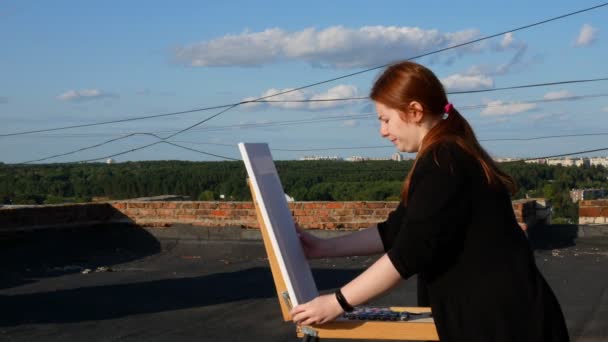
<point x="362" y="242"/>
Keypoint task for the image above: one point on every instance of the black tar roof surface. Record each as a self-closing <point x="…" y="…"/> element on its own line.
<point x="171" y="289"/>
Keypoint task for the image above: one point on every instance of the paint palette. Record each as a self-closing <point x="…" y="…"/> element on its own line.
<point x="377" y="314"/>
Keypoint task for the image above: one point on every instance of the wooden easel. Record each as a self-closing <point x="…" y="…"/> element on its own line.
<point x="416" y="329"/>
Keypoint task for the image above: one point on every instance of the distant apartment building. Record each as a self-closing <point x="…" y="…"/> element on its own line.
<point x="321" y="158"/>
<point x="595" y="161"/>
<point x="587" y="194"/>
<point x="397" y="157"/>
<point x="504" y="160"/>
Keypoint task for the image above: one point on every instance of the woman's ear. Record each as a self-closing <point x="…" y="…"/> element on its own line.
<point x="415" y="111"/>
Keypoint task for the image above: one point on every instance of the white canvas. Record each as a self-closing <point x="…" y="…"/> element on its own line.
<point x="270" y="197"/>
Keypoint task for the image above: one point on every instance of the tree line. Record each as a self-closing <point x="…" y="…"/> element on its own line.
<point x="303" y="180"/>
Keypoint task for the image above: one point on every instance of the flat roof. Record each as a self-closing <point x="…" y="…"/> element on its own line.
<point x="142" y="287"/>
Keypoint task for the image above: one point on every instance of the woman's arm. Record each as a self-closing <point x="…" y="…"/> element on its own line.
<point x="362" y="242"/>
<point x="377" y="279"/>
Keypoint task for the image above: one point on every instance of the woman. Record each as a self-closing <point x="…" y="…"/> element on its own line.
<point x="455" y="228"/>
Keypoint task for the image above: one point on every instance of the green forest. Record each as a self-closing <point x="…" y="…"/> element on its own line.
<point x="303" y="180"/>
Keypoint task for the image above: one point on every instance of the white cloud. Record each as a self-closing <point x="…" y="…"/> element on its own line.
<point x="515" y="63"/>
<point x="507" y="40"/>
<point x="84" y="95"/>
<point x="463" y="82"/>
<point x="556" y="95"/>
<point x="350" y="123"/>
<point x="335" y="46"/>
<point x="292" y="95"/>
<point x="587" y="35"/>
<point x="605" y="109"/>
<point x="499" y="108"/>
<point x="337" y="92"/>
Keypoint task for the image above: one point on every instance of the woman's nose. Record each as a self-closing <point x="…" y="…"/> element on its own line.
<point x="383" y="130"/>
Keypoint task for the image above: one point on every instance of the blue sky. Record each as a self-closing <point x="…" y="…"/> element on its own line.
<point x="72" y="62"/>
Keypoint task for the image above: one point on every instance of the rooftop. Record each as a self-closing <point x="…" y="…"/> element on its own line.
<point x="122" y="282"/>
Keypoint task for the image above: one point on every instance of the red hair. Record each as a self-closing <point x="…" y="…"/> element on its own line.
<point x="404" y="82"/>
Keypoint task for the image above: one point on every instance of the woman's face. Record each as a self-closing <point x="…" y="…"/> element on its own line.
<point x="406" y="136"/>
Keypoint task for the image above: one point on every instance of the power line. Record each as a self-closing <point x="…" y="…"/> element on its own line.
<point x="152" y="144"/>
<point x="298" y="122"/>
<point x="566" y="154"/>
<point x="113" y="121"/>
<point x="338" y="117"/>
<point x="199" y="151"/>
<point x="164" y="139"/>
<point x="455" y="92"/>
<point x="329" y="80"/>
<point x="88" y="147"/>
<point x="530" y="86"/>
<point x="546" y="137"/>
<point x="391" y="146"/>
<point x="328" y="119"/>
<point x="567" y="98"/>
<point x="134" y="149"/>
<point x="437" y="51"/>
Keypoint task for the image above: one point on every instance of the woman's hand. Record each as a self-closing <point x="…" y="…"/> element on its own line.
<point x="313" y="246"/>
<point x="318" y="311"/>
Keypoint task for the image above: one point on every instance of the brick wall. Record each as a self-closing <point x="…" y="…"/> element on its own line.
<point x="321" y="215"/>
<point x="32" y="217"/>
<point x="525" y="213"/>
<point x="593" y="211"/>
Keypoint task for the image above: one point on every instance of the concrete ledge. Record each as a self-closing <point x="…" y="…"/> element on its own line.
<point x="593" y="230"/>
<point x="196" y="233"/>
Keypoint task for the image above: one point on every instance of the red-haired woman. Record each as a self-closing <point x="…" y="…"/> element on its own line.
<point x="455" y="228"/>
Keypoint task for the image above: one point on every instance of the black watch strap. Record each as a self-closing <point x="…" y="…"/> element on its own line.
<point x="343" y="302"/>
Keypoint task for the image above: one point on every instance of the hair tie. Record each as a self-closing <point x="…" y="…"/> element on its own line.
<point x="447" y="110"/>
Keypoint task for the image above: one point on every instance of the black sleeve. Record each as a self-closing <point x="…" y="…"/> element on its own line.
<point x="437" y="212"/>
<point x="388" y="229"/>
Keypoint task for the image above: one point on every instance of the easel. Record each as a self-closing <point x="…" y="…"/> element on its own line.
<point x="422" y="328"/>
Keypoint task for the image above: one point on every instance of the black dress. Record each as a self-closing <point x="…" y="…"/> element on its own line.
<point x="474" y="262"/>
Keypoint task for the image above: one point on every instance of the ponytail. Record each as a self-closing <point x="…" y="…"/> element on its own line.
<point x="454" y="128"/>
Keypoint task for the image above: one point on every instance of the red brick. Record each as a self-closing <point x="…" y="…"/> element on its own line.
<point x="202" y="212"/>
<point x="322" y="212"/>
<point x="245" y="205"/>
<point x="598" y="203"/>
<point x="165" y="212"/>
<point x="186" y="217"/>
<point x="312" y="205"/>
<point x="353" y="205"/>
<point x="219" y="213"/>
<point x="593" y="211"/>
<point x="375" y="205"/>
<point x="208" y="205"/>
<point x="382" y="212"/>
<point x="344" y="212"/>
<point x="121" y="205"/>
<point x="334" y="205"/>
<point x="305" y="219"/>
<point x="364" y="211"/>
<point x="137" y="205"/>
<point x="299" y="212"/>
<point x="189" y="205"/>
<point x="147" y="212"/>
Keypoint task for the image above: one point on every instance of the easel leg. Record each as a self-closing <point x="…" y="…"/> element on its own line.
<point x="310" y="338"/>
